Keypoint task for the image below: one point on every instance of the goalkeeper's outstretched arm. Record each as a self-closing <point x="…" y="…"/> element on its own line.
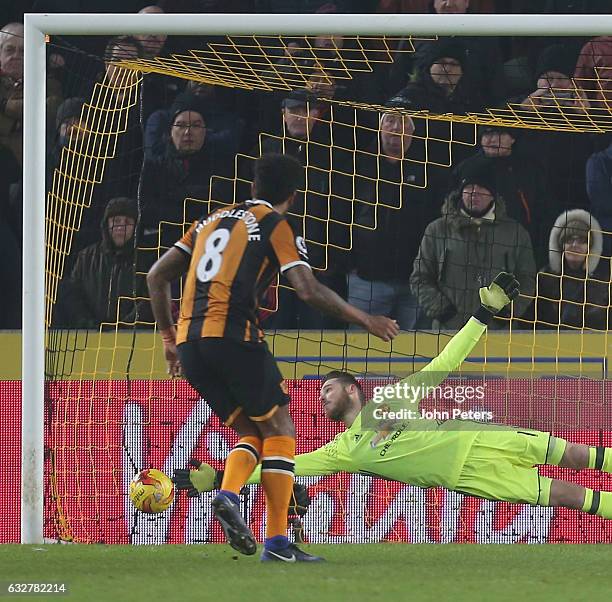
<point x="205" y="478"/>
<point x="500" y="293"/>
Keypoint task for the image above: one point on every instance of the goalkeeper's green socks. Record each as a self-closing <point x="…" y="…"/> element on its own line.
<point x="598" y="503"/>
<point x="600" y="458"/>
<point x="239" y="465"/>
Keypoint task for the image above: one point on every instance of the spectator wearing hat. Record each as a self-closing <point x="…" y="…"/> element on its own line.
<point x="306" y="137"/>
<point x="300" y="124"/>
<point x="518" y="181"/>
<point x="224" y="128"/>
<point x="184" y="171"/>
<point x="555" y="89"/>
<point x="574" y="289"/>
<point x="103" y="286"/>
<point x="396" y="197"/>
<point x="460" y="251"/>
<point x="441" y="86"/>
<point x="483" y="57"/>
<point x="561" y="155"/>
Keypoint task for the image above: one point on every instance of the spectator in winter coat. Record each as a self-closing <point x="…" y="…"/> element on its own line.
<point x="185" y="172"/>
<point x="460" y="251"/>
<point x="223" y="126"/>
<point x="519" y="181"/>
<point x="397" y="200"/>
<point x="484" y="57"/>
<point x="103" y="286"/>
<point x="599" y="189"/>
<point x="562" y="155"/>
<point x="441" y="86"/>
<point x="317" y="213"/>
<point x="574" y="289"/>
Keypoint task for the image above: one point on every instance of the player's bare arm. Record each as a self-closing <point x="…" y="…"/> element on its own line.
<point x="311" y="291"/>
<point x="169" y="267"/>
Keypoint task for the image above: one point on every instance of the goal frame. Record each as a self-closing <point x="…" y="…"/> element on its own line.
<point x="36" y="29"/>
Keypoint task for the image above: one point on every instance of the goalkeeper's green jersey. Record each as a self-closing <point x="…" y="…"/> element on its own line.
<point x="421" y="452"/>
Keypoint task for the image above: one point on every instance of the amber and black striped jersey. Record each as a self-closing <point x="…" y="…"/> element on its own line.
<point x="236" y="253"/>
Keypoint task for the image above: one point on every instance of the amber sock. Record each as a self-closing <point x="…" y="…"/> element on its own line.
<point x="240" y="463"/>
<point x="277" y="468"/>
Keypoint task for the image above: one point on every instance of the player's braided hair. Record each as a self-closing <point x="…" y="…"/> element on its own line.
<point x="346" y="379"/>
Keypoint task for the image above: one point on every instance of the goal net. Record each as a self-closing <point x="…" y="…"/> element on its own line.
<point x="111" y="410"/>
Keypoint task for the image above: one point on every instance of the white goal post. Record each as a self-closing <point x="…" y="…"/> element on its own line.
<point x="37" y="26"/>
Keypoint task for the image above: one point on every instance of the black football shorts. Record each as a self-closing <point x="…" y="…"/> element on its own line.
<point x="233" y="377"/>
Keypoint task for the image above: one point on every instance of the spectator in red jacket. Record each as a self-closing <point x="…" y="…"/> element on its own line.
<point x="594" y="71"/>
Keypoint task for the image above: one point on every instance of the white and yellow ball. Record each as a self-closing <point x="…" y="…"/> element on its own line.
<point x="152" y="491"/>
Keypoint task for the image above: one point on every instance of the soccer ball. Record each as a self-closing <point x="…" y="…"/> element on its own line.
<point x="152" y="491"/>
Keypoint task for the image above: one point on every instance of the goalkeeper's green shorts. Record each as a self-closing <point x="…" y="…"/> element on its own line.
<point x="501" y="466"/>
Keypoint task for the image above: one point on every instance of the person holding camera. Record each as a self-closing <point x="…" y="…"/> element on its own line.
<point x="555" y="88"/>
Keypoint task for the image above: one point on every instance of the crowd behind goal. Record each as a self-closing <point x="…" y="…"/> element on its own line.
<point x="536" y="203"/>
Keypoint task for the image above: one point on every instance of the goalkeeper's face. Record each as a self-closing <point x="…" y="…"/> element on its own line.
<point x="336" y="399"/>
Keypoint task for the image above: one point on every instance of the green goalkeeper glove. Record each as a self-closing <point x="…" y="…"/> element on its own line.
<point x="493" y="298"/>
<point x="204" y="478"/>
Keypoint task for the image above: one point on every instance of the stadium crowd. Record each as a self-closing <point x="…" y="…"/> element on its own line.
<point x="439" y="219"/>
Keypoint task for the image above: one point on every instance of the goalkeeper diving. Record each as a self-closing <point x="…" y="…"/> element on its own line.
<point x="489" y="461"/>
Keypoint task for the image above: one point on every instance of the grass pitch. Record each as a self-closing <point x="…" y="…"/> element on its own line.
<point x="470" y="573"/>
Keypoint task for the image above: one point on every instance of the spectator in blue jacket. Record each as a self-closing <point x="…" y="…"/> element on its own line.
<point x="599" y="189"/>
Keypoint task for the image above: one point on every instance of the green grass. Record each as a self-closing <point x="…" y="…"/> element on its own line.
<point x="372" y="573"/>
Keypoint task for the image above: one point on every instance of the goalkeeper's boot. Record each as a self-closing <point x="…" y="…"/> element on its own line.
<point x="289" y="554"/>
<point x="238" y="535"/>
